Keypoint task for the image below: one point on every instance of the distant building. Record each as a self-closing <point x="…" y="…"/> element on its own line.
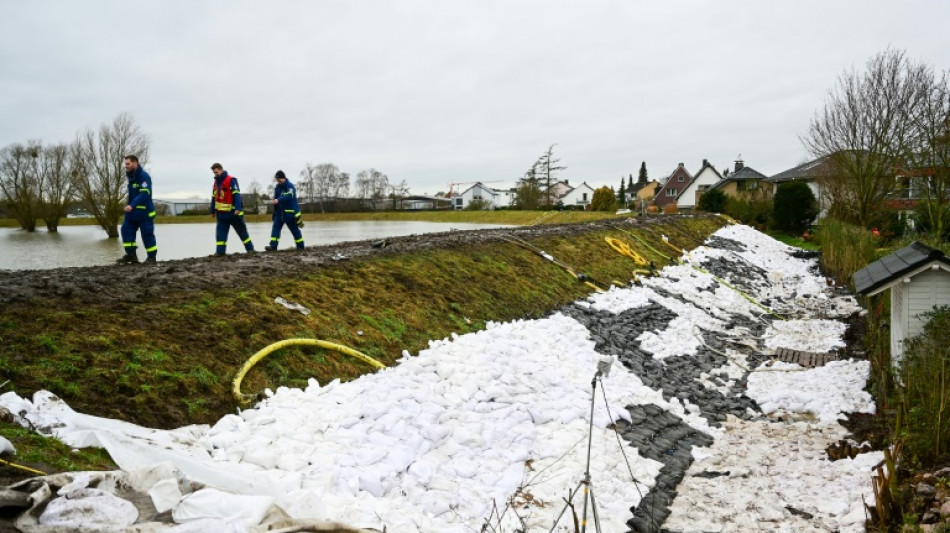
<point x="491" y="198"/>
<point x="177" y="207"/>
<point x="578" y="197"/>
<point x="811" y="173"/>
<point x="706" y="177"/>
<point x="675" y="183"/>
<point x="745" y="183"/>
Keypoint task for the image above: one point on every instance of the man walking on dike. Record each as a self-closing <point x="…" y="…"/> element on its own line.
<point x="227" y="207"/>
<point x="286" y="211"/>
<point x="139" y="214"/>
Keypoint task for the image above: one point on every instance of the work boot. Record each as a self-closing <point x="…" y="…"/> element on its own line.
<point x="151" y="260"/>
<point x="127" y="259"/>
<point x="270" y="248"/>
<point x="219" y="254"/>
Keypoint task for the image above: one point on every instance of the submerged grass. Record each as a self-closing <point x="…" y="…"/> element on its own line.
<point x="170" y="360"/>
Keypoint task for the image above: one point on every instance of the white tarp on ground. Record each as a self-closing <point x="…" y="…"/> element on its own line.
<point x="454" y="434"/>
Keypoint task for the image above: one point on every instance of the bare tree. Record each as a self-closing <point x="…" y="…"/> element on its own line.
<point x="866" y="130"/>
<point x="19" y="184"/>
<point x="397" y="192"/>
<point x="100" y="179"/>
<point x="326" y="178"/>
<point x="547" y="169"/>
<point x="54" y="168"/>
<point x="253" y="196"/>
<point x="927" y="171"/>
<point x="307" y="186"/>
<point x="371" y="186"/>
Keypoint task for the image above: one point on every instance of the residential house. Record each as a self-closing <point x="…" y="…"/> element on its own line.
<point x="706" y="177"/>
<point x="559" y="189"/>
<point x="809" y="172"/>
<point x="674" y="185"/>
<point x="745" y="182"/>
<point x="491" y="198"/>
<point x="578" y="197"/>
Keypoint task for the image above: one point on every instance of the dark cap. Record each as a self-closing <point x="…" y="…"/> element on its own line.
<point x="280" y="175"/>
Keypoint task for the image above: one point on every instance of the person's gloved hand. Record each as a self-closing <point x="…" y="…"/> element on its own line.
<point x="239" y="213"/>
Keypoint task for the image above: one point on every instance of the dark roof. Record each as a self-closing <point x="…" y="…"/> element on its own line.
<point x="810" y="170"/>
<point x="743" y="174"/>
<point x="893" y="266"/>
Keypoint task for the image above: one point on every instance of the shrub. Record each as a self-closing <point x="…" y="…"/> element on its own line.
<point x="713" y="201"/>
<point x="603" y="200"/>
<point x="754" y="212"/>
<point x="925" y="396"/>
<point x="652" y="209"/>
<point x="794" y="207"/>
<point x="670" y="209"/>
<point x="477" y="204"/>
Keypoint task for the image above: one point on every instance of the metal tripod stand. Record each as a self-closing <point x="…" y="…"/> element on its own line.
<point x="585" y="482"/>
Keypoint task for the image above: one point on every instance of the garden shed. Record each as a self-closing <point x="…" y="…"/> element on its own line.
<point x="919" y="279"/>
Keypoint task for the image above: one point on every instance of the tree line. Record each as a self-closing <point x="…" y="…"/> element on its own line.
<point x="41" y="182"/>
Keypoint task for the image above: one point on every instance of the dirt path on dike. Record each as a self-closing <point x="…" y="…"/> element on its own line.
<point x="114" y="283"/>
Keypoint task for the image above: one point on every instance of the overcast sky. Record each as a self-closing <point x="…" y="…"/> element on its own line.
<point x="434" y="92"/>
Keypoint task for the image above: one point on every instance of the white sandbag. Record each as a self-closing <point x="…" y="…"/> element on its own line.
<point x="89" y="509"/>
<point x="212" y="503"/>
<point x="303" y="503"/>
<point x="165" y="494"/>
<point x="6" y="447"/>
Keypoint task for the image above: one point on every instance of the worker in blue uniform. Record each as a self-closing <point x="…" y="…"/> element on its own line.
<point x="228" y="208"/>
<point x="286" y="211"/>
<point x="139" y="213"/>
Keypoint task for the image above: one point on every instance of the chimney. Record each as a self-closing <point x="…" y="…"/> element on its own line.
<point x="681" y="165"/>
<point x="739" y="165"/>
<point x="705" y="162"/>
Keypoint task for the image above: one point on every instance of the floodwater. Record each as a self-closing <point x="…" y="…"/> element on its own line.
<point x="88" y="246"/>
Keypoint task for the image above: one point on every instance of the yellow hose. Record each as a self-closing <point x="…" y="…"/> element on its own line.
<point x="668" y="243"/>
<point x="247" y="398"/>
<point x="624" y="249"/>
<point x="645" y="243"/>
<point x="21" y="467"/>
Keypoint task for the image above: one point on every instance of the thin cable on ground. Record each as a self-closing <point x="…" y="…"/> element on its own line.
<point x="633" y="478"/>
<point x="585" y="279"/>
<point x="645" y="243"/>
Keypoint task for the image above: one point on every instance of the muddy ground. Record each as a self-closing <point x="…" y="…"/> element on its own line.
<point x="116" y="283"/>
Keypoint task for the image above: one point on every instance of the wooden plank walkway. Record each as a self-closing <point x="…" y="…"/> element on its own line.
<point x="805" y="359"/>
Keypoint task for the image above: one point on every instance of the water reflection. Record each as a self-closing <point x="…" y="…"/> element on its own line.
<point x="88" y="246"/>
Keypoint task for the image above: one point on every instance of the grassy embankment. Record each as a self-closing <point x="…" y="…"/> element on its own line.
<point x="169" y="360"/>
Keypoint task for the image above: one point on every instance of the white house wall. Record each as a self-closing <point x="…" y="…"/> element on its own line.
<point x="898" y="322"/>
<point x="576" y="196"/>
<point x="687" y="198"/>
<point x="926" y="290"/>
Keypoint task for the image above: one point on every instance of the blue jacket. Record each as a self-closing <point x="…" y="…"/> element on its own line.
<point x="140" y="192"/>
<point x="237" y="205"/>
<point x="286" y="196"/>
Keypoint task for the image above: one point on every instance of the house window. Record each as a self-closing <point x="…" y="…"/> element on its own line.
<point x="671" y="192"/>
<point x="680" y="179"/>
<point x="584" y="196"/>
<point x="703" y="188"/>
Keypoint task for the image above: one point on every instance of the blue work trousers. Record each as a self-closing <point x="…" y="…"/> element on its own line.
<point x="132" y="224"/>
<point x="294" y="230"/>
<point x="225" y="223"/>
